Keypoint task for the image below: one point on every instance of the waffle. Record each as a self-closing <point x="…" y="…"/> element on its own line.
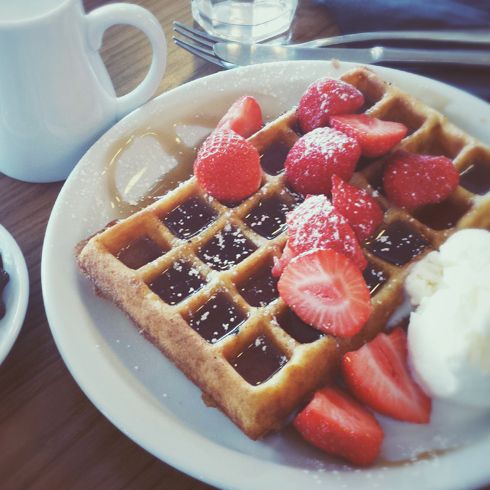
<point x="194" y="275"/>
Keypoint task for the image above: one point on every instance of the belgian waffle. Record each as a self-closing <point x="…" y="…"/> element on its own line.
<point x="195" y="275"/>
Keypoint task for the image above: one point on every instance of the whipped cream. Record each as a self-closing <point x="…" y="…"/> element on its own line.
<point x="449" y="332"/>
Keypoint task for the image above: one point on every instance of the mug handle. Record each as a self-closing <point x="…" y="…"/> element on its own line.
<point x="100" y="19"/>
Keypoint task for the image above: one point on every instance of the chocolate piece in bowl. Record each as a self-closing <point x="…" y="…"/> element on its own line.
<point x="4" y="279"/>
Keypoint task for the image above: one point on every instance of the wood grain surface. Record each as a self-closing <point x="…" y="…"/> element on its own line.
<point x="51" y="436"/>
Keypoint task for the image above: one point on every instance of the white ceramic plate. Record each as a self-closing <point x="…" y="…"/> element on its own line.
<point x="16" y="293"/>
<point x="144" y="395"/>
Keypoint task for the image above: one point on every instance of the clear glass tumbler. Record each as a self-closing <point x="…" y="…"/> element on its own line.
<point x="244" y="20"/>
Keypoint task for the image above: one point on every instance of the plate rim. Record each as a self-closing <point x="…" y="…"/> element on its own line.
<point x="19" y="297"/>
<point x="201" y="470"/>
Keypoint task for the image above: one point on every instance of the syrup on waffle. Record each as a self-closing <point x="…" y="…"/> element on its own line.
<point x="195" y="275"/>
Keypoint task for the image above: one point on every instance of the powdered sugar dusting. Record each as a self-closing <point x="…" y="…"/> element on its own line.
<point x="316" y="224"/>
<point x="361" y="210"/>
<point x="327" y="97"/>
<point x="226" y="249"/>
<point x="327" y="141"/>
<point x="318" y="155"/>
<point x="338" y="91"/>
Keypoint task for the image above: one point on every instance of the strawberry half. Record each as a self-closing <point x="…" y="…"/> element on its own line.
<point x="316" y="156"/>
<point x="316" y="224"/>
<point x="375" y="136"/>
<point x="228" y="166"/>
<point x="244" y="117"/>
<point x="338" y="425"/>
<point x="327" y="291"/>
<point x="411" y="180"/>
<point x="377" y="374"/>
<point x="324" y="98"/>
<point x="360" y="209"/>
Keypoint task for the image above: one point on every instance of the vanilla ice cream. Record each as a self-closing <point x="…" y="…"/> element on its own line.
<point x="449" y="332"/>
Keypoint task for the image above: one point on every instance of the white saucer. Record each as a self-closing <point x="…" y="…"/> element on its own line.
<point x="16" y="293"/>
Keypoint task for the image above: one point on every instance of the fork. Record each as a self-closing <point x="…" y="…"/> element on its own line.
<point x="230" y="55"/>
<point x="199" y="44"/>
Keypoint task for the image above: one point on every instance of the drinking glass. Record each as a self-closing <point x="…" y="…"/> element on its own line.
<point x="244" y="20"/>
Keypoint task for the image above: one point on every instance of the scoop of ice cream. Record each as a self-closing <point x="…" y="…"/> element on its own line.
<point x="449" y="332"/>
<point x="424" y="278"/>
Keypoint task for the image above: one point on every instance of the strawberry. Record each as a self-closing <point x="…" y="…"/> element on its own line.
<point x="375" y="136"/>
<point x="327" y="291"/>
<point x="283" y="261"/>
<point x="412" y="180"/>
<point x="315" y="223"/>
<point x="360" y="209"/>
<point x="324" y="98"/>
<point x="244" y="117"/>
<point x="339" y="425"/>
<point x="377" y="374"/>
<point x="228" y="166"/>
<point x="316" y="156"/>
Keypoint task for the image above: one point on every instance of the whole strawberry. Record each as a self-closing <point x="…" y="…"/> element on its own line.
<point x="411" y="180"/>
<point x="228" y="166"/>
<point x="324" y="98"/>
<point x="318" y="155"/>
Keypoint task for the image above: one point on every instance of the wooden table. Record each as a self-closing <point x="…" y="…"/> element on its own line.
<point x="51" y="436"/>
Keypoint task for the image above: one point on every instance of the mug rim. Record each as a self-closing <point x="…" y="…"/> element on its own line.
<point x="31" y="19"/>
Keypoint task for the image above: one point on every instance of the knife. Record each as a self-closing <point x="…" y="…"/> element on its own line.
<point x="471" y="36"/>
<point x="250" y="54"/>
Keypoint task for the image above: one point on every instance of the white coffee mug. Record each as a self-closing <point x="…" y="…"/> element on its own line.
<point x="56" y="96"/>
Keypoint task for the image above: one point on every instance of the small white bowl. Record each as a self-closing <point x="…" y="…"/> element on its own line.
<point x="15" y="294"/>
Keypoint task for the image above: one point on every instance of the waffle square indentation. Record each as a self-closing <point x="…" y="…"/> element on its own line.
<point x="476" y="178"/>
<point x="374" y="277"/>
<point x="397" y="243"/>
<point x="297" y="328"/>
<point x="177" y="282"/>
<point x="442" y="215"/>
<point x="259" y="361"/>
<point x="268" y="217"/>
<point x="401" y="112"/>
<point x="140" y="252"/>
<point x="189" y="218"/>
<point x="226" y="249"/>
<point x="217" y="318"/>
<point x="260" y="287"/>
<point x="274" y="156"/>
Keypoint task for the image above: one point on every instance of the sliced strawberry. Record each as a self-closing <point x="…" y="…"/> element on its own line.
<point x="360" y="209"/>
<point x="315" y="223"/>
<point x="244" y="117"/>
<point x="338" y="425"/>
<point x="283" y="261"/>
<point x="375" y="136"/>
<point x="377" y="374"/>
<point x="228" y="166"/>
<point x="411" y="180"/>
<point x="316" y="156"/>
<point x="327" y="291"/>
<point x="324" y="98"/>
